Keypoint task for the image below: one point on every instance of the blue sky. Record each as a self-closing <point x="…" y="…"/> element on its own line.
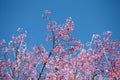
<point x="89" y="16"/>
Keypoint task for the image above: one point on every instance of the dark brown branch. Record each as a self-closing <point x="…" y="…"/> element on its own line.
<point x="93" y="76"/>
<point x="43" y="67"/>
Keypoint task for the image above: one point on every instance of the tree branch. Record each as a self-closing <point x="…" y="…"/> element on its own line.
<point x="43" y="67"/>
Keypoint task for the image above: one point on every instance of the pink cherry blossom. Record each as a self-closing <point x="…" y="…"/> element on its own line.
<point x="51" y="25"/>
<point x="96" y="36"/>
<point x="48" y="39"/>
<point x="36" y="51"/>
<point x="107" y="33"/>
<point x="46" y="13"/>
<point x="67" y="59"/>
<point x="19" y="29"/>
<point x="71" y="50"/>
<point x="58" y="48"/>
<point x="2" y="42"/>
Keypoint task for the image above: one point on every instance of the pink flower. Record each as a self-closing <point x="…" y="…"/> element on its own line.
<point x="2" y="66"/>
<point x="33" y="71"/>
<point x="48" y="39"/>
<point x="27" y="54"/>
<point x="2" y="42"/>
<point x="63" y="52"/>
<point x="25" y="73"/>
<point x="42" y="49"/>
<point x="69" y="26"/>
<point x="23" y="35"/>
<point x="58" y="49"/>
<point x="44" y="59"/>
<point x="6" y="77"/>
<point x="22" y="58"/>
<point x="51" y="25"/>
<point x="72" y="50"/>
<point x="8" y="62"/>
<point x="117" y="43"/>
<point x="117" y="62"/>
<point x="99" y="54"/>
<point x="0" y="60"/>
<point x="46" y="14"/>
<point x="5" y="51"/>
<point x="10" y="45"/>
<point x="36" y="51"/>
<point x="69" y="21"/>
<point x="19" y="29"/>
<point x="96" y="36"/>
<point x="32" y="59"/>
<point x="29" y="67"/>
<point x="78" y="45"/>
<point x="83" y="51"/>
<point x="17" y="39"/>
<point x="107" y="33"/>
<point x="62" y="33"/>
<point x="13" y="38"/>
<point x="104" y="64"/>
<point x="50" y="76"/>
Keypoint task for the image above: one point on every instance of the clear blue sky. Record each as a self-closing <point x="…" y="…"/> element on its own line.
<point x="90" y="16"/>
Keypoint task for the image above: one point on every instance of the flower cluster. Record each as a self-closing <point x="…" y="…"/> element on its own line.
<point x="46" y="14"/>
<point x="68" y="59"/>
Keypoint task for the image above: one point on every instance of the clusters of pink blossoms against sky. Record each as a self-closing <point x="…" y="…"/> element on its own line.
<point x="68" y="58"/>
